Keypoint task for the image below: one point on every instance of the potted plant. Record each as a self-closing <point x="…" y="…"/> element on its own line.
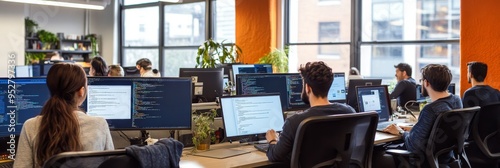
<point x="47" y="38"/>
<point x="29" y="27"/>
<point x="203" y="131"/>
<point x="278" y="58"/>
<point x="211" y="53"/>
<point x="33" y="58"/>
<point x="93" y="44"/>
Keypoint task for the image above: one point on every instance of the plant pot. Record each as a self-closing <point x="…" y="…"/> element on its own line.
<point x="205" y="145"/>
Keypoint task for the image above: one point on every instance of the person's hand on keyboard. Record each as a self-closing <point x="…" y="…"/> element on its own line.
<point x="271" y="137"/>
<point x="394" y="129"/>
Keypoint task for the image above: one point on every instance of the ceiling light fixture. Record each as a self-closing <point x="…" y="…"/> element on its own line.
<point x="63" y="3"/>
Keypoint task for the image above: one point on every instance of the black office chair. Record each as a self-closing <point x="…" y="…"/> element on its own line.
<point x="484" y="150"/>
<point x="344" y="140"/>
<point x="448" y="135"/>
<point x="92" y="159"/>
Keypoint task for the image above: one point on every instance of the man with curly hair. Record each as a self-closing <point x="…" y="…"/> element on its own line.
<point x="317" y="78"/>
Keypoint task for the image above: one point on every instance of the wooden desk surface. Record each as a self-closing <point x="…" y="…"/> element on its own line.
<point x="253" y="159"/>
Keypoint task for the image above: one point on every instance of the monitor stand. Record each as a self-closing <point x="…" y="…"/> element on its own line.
<point x="254" y="139"/>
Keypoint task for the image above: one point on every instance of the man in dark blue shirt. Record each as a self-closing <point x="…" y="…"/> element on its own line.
<point x="479" y="94"/>
<point x="405" y="89"/>
<point x="435" y="81"/>
<point x="316" y="81"/>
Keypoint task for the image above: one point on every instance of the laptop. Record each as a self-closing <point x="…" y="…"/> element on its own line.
<point x="375" y="98"/>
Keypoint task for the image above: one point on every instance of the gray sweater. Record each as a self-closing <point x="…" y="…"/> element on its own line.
<point x="94" y="136"/>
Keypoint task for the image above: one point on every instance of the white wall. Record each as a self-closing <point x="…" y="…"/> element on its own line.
<point x="11" y="33"/>
<point x="57" y="19"/>
<point x="105" y="24"/>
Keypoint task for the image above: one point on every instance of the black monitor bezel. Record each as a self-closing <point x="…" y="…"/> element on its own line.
<point x="170" y="128"/>
<point x="234" y="75"/>
<point x="219" y="85"/>
<point x="388" y="100"/>
<point x="288" y="107"/>
<point x="351" y="90"/>
<point x="251" y="95"/>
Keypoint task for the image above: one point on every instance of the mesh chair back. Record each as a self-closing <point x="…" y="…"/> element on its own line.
<point x="486" y="130"/>
<point x="448" y="135"/>
<point x="344" y="140"/>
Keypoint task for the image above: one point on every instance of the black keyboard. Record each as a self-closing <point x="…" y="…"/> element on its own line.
<point x="262" y="147"/>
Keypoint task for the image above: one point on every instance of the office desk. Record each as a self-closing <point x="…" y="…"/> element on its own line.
<point x="253" y="159"/>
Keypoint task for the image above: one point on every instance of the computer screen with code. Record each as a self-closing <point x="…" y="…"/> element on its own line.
<point x="251" y="114"/>
<point x="288" y="85"/>
<point x="140" y="103"/>
<point x="29" y="97"/>
<point x="251" y="68"/>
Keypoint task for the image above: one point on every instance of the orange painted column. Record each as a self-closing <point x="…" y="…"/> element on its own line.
<point x="480" y="39"/>
<point x="255" y="28"/>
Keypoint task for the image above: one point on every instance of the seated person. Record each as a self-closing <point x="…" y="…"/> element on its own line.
<point x="480" y="93"/>
<point x="98" y="67"/>
<point x="435" y="81"/>
<point x="144" y="66"/>
<point x="54" y="56"/>
<point x="404" y="90"/>
<point x="116" y="70"/>
<point x="316" y="80"/>
<point x="61" y="127"/>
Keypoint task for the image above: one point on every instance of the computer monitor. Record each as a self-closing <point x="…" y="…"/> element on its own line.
<point x="337" y="92"/>
<point x="140" y="103"/>
<point x="351" y="92"/>
<point x="24" y="71"/>
<point x="250" y="68"/>
<point x="451" y="88"/>
<point x="29" y="97"/>
<point x="288" y="85"/>
<point x="374" y="98"/>
<point x="131" y="71"/>
<point x="41" y="70"/>
<point x="208" y="83"/>
<point x="420" y="97"/>
<point x="246" y="115"/>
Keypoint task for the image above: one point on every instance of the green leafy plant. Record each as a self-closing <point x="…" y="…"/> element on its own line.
<point x="93" y="44"/>
<point x="203" y="131"/>
<point x="278" y="58"/>
<point x="211" y="53"/>
<point x="29" y="26"/>
<point x="47" y="38"/>
<point x="30" y="58"/>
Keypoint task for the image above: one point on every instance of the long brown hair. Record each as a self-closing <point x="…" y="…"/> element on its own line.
<point x="59" y="129"/>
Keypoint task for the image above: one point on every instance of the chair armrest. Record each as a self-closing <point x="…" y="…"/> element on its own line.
<point x="398" y="152"/>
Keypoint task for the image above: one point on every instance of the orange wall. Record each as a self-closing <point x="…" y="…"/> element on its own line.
<point x="480" y="39"/>
<point x="255" y="28"/>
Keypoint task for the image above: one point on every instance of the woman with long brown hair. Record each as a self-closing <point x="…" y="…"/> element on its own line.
<point x="61" y="126"/>
<point x="98" y="67"/>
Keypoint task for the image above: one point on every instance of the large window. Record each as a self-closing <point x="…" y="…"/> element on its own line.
<point x="418" y="32"/>
<point x="170" y="33"/>
<point x="319" y="30"/>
